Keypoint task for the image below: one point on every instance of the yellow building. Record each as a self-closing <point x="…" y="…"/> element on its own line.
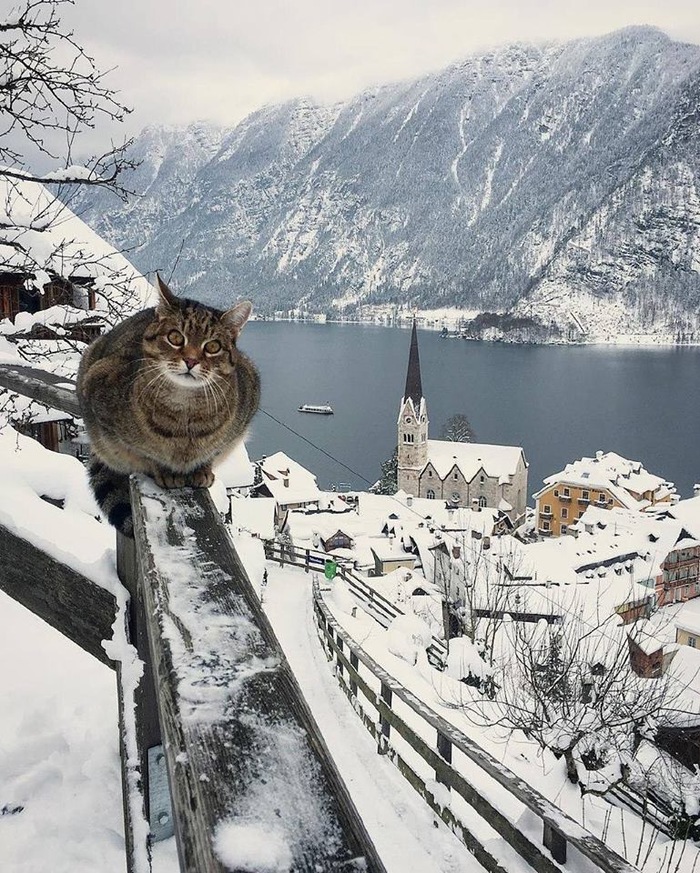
<point x="606" y="481"/>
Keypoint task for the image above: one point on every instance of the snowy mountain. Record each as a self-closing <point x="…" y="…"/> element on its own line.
<point x="559" y="183"/>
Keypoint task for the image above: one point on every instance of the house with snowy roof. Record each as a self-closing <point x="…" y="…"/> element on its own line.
<point x="60" y="283"/>
<point x="51" y="260"/>
<point x="291" y="485"/>
<point x="472" y="475"/>
<point x="606" y="481"/>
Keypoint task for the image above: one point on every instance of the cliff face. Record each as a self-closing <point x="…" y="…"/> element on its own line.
<point x="559" y="183"/>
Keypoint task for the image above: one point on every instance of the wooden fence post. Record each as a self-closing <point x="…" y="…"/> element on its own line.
<point x="154" y="782"/>
<point x="554" y="840"/>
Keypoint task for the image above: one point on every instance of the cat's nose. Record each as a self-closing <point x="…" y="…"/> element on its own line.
<point x="191" y="362"/>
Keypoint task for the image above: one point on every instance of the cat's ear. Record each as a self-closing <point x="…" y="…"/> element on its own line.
<point x="237" y="316"/>
<point x="167" y="304"/>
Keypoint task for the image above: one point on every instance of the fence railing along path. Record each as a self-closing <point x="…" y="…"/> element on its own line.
<point x="382" y="610"/>
<point x="216" y="738"/>
<point x="428" y="749"/>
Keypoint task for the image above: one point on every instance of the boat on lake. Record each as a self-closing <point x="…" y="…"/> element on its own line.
<point x="318" y="408"/>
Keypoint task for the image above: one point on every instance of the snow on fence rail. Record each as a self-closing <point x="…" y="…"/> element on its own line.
<point x="216" y="738"/>
<point x="401" y="724"/>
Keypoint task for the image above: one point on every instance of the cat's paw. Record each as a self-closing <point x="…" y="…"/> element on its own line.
<point x="168" y="479"/>
<point x="201" y="478"/>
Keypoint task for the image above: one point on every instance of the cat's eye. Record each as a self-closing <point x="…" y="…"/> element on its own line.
<point x="175" y="338"/>
<point x="213" y="347"/>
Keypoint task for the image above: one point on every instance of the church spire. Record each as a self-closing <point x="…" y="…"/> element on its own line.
<point x="414" y="388"/>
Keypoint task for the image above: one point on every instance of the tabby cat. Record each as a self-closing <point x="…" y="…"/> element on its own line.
<point x="166" y="393"/>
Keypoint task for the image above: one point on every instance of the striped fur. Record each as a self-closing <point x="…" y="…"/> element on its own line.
<point x="111" y="492"/>
<point x="166" y="393"/>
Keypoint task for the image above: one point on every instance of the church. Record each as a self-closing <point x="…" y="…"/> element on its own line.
<point x="472" y="475"/>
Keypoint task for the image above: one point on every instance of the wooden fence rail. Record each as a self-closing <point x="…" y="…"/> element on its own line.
<point x="382" y="610"/>
<point x="379" y="699"/>
<point x="217" y="708"/>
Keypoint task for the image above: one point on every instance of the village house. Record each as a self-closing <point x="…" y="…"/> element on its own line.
<point x="606" y="481"/>
<point x="53" y="279"/>
<point x="291" y="485"/>
<point x="462" y="474"/>
<point x="687" y="625"/>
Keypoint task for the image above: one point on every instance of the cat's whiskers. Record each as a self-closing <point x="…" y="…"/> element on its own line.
<point x="152" y="384"/>
<point x="214" y="382"/>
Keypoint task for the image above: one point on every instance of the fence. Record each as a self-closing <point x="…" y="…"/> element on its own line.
<point x="382" y="610"/>
<point x="216" y="732"/>
<point x="434" y="757"/>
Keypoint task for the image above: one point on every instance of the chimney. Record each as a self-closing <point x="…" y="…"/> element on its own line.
<point x="599" y="455"/>
<point x="409" y="500"/>
<point x="696" y="490"/>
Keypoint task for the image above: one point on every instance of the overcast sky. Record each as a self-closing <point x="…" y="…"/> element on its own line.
<point x="220" y="59"/>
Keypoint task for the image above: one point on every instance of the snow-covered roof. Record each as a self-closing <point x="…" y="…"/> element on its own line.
<point x="389" y="551"/>
<point x="235" y="471"/>
<point x="300" y="486"/>
<point x="688" y="617"/>
<point x="622" y="478"/>
<point x="46" y="238"/>
<point x="497" y="462"/>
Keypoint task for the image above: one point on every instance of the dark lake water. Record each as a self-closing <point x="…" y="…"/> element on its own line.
<point x="557" y="402"/>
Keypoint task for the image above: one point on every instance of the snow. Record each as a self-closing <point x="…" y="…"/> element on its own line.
<point x="71" y="535"/>
<point x="407" y="835"/>
<point x="58" y="242"/>
<point x="252" y="847"/>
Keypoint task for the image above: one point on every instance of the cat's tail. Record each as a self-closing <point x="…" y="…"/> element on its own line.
<point x="111" y="490"/>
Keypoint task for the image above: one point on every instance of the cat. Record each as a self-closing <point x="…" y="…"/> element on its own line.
<point x="165" y="393"/>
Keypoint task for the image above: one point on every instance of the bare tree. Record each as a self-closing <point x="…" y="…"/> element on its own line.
<point x="51" y="91"/>
<point x="51" y="94"/>
<point x="569" y="686"/>
<point x="458" y="429"/>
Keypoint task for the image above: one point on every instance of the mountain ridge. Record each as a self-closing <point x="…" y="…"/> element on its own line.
<point x="537" y="180"/>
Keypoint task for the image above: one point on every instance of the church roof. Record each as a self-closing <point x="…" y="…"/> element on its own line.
<point x="414" y="387"/>
<point x="498" y="462"/>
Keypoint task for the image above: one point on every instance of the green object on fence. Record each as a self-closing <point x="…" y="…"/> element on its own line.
<point x="330" y="569"/>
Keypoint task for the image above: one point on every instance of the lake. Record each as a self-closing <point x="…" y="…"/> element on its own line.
<point x="557" y="402"/>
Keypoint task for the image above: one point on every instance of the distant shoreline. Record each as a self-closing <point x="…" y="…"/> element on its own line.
<point x="404" y="322"/>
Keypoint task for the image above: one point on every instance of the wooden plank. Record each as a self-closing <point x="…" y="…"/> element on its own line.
<point x="138" y="705"/>
<point x="55" y="391"/>
<point x="73" y="605"/>
<point x="244" y="756"/>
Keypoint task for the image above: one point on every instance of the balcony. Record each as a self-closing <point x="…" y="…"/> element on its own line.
<point x="565" y="498"/>
<point x="583" y="501"/>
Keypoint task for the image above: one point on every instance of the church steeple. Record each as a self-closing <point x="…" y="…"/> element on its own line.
<point x="414" y="388"/>
<point x="412" y="426"/>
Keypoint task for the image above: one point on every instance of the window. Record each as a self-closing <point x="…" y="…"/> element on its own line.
<point x="556" y="494"/>
<point x="585" y="495"/>
<point x="482" y="501"/>
<point x="580" y="515"/>
<point x="564" y="528"/>
<point x="9" y="301"/>
<point x="430" y="473"/>
<point x="456" y="476"/>
<point x="481" y="478"/>
<point x="430" y="494"/>
<point x="564" y="512"/>
<point x="408" y="438"/>
<point x="545" y="525"/>
<point x="547" y="509"/>
<point x="566" y="492"/>
<point x="692" y="642"/>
